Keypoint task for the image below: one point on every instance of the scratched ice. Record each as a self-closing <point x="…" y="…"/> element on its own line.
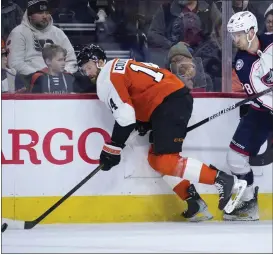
<point x="175" y="237"/>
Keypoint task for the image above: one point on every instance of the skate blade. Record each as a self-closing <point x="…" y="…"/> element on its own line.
<point x="250" y="216"/>
<point x="236" y="218"/>
<point x="201" y="216"/>
<point x="239" y="189"/>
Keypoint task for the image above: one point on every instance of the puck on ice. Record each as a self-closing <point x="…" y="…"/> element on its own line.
<point x="4" y="227"/>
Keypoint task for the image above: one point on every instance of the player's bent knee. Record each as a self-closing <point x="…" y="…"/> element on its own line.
<point x="237" y="162"/>
<point x="164" y="164"/>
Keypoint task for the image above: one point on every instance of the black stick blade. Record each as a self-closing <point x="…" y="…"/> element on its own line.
<point x="4" y="227"/>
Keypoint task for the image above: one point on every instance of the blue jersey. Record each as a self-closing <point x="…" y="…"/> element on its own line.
<point x="255" y="71"/>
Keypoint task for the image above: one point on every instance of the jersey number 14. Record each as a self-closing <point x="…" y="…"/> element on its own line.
<point x="157" y="76"/>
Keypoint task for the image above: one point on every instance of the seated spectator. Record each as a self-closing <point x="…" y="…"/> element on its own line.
<point x="11" y="16"/>
<point x="188" y="69"/>
<point x="269" y="20"/>
<point x="205" y="47"/>
<point x="166" y="29"/>
<point x="7" y="75"/>
<point x="26" y="41"/>
<point x="53" y="79"/>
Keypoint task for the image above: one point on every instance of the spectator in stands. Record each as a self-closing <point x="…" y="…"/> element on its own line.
<point x="7" y="74"/>
<point x="269" y="20"/>
<point x="167" y="29"/>
<point x="53" y="79"/>
<point x="11" y="16"/>
<point x="27" y="40"/>
<point x="188" y="69"/>
<point x="205" y="47"/>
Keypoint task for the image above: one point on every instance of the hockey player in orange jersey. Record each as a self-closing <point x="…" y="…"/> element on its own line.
<point x="145" y="93"/>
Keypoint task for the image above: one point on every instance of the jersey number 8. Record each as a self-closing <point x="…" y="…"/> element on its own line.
<point x="248" y="89"/>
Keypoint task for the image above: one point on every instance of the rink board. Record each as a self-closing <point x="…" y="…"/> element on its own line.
<point x="64" y="136"/>
<point x="109" y="209"/>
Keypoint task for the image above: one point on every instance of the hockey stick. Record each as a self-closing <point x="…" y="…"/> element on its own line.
<point x="230" y="108"/>
<point x="16" y="224"/>
<point x="33" y="223"/>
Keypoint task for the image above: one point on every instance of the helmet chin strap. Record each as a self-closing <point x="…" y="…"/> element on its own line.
<point x="250" y="41"/>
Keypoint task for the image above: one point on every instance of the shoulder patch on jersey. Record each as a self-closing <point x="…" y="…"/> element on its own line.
<point x="268" y="78"/>
<point x="120" y="66"/>
<point x="239" y="64"/>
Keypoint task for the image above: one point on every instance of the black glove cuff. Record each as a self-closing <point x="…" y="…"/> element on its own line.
<point x="120" y="134"/>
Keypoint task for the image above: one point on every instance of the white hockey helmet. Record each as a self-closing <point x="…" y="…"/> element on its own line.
<point x="242" y="21"/>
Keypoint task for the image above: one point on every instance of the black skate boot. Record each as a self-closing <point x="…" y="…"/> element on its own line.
<point x="226" y="184"/>
<point x="197" y="207"/>
<point x="245" y="210"/>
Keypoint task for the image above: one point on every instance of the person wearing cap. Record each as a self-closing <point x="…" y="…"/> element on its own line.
<point x="26" y="41"/>
<point x="186" y="68"/>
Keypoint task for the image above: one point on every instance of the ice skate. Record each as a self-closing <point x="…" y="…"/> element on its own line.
<point x="245" y="210"/>
<point x="197" y="207"/>
<point x="227" y="185"/>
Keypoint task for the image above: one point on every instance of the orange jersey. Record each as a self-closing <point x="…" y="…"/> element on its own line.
<point x="132" y="90"/>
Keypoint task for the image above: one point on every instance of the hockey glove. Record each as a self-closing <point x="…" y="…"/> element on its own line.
<point x="143" y="127"/>
<point x="110" y="156"/>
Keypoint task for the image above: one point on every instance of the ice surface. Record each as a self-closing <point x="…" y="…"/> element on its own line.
<point x="175" y="237"/>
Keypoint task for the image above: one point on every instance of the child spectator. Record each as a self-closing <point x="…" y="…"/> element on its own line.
<point x="53" y="79"/>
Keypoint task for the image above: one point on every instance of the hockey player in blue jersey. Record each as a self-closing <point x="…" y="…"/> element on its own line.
<point x="253" y="65"/>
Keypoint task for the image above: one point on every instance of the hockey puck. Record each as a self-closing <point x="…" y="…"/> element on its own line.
<point x="4" y="227"/>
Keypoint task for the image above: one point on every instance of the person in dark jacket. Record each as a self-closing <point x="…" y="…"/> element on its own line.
<point x="11" y="17"/>
<point x="166" y="30"/>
